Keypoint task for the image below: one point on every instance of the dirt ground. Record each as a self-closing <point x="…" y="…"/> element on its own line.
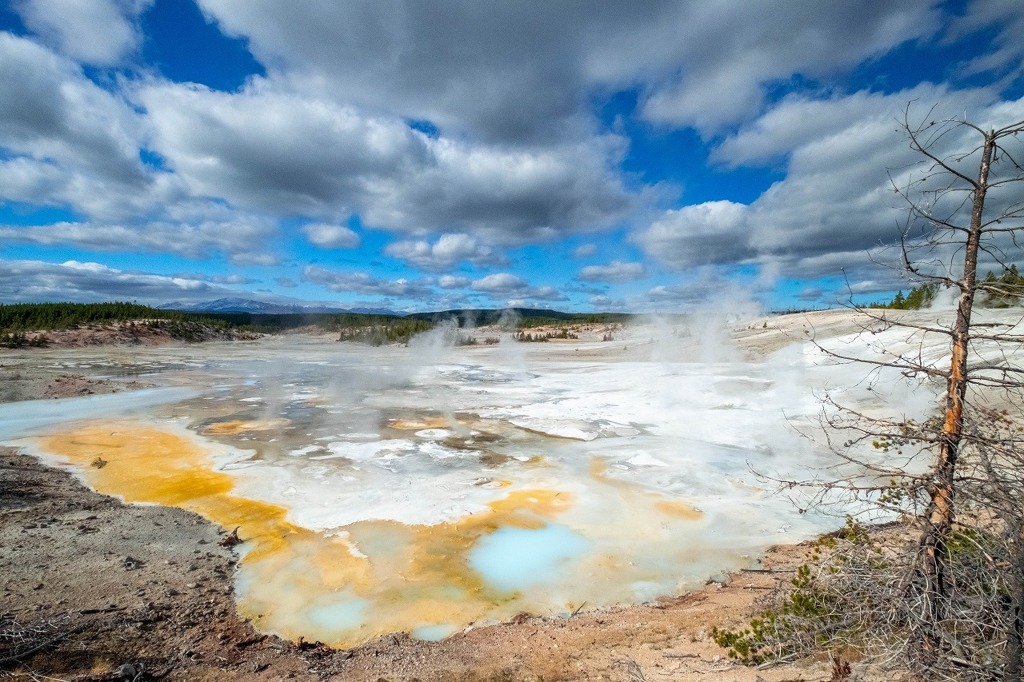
<point x="92" y="589"/>
<point x="96" y="590"/>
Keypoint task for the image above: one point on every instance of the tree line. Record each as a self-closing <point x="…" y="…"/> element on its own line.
<point x="18" y="319"/>
<point x="1001" y="291"/>
<point x="22" y="317"/>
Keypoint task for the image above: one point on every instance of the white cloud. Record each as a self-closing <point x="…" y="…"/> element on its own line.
<point x="504" y="284"/>
<point x="363" y="283"/>
<point x="702" y="63"/>
<point x="812" y="295"/>
<point x="216" y="279"/>
<point x="1006" y="57"/>
<point x="233" y="279"/>
<point x="677" y="296"/>
<point x="500" y="283"/>
<point x="871" y="286"/>
<point x="68" y="140"/>
<point x="835" y="207"/>
<point x="36" y="281"/>
<point x="546" y="293"/>
<point x="331" y="236"/>
<point x="585" y="250"/>
<point x="269" y="151"/>
<point x="734" y="50"/>
<point x="712" y="232"/>
<point x="616" y="271"/>
<point x="837" y="197"/>
<point x="444" y="254"/>
<point x="242" y="241"/>
<point x="798" y="120"/>
<point x="436" y="62"/>
<point x="452" y="282"/>
<point x="99" y="32"/>
<point x="518" y="157"/>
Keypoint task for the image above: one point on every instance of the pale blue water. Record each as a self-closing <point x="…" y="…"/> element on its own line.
<point x="20" y="419"/>
<point x="513" y="559"/>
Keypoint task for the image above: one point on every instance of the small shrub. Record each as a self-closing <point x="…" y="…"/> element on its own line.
<point x="822" y="605"/>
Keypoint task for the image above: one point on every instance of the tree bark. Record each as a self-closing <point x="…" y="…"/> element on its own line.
<point x="1013" y="660"/>
<point x="941" y="507"/>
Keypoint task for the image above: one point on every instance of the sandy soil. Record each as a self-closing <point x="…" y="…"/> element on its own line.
<point x="91" y="589"/>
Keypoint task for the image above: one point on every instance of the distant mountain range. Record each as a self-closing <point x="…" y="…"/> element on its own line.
<point x="465" y="316"/>
<point x="248" y="305"/>
<point x="485" y="316"/>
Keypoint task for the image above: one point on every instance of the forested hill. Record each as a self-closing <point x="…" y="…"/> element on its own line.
<point x="997" y="291"/>
<point x="49" y="316"/>
<point x="21" y="317"/>
<point x="41" y="324"/>
<point x="516" y="317"/>
<point x="27" y="323"/>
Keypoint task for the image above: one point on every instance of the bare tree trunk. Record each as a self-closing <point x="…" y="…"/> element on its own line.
<point x="941" y="508"/>
<point x="1013" y="665"/>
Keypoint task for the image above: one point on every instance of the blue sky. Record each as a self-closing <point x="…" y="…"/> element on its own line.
<point x="580" y="156"/>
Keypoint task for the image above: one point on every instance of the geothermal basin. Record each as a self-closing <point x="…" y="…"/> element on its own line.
<point x="427" y="489"/>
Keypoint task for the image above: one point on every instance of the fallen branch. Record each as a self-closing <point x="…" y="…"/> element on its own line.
<point x="14" y="658"/>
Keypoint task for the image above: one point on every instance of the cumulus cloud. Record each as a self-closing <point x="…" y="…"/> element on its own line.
<point x="271" y="151"/>
<point x="500" y="283"/>
<point x="68" y="140"/>
<point x="452" y="282"/>
<point x="677" y="296"/>
<point x="33" y="281"/>
<point x="99" y="32"/>
<point x="435" y="62"/>
<point x="837" y="197"/>
<point x="328" y="236"/>
<point x="241" y="240"/>
<point x="363" y="283"/>
<point x="216" y="279"/>
<point x="798" y="120"/>
<point x="701" y="234"/>
<point x="444" y="254"/>
<point x="616" y="271"/>
<point x="1006" y="57"/>
<point x="504" y="284"/>
<point x="584" y="250"/>
<point x="702" y="63"/>
<point x="872" y="286"/>
<point x="811" y="294"/>
<point x="547" y="293"/>
<point x="835" y="208"/>
<point x="233" y="279"/>
<point x="513" y="151"/>
<point x="734" y="50"/>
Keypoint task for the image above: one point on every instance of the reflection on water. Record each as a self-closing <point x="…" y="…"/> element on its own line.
<point x="427" y="490"/>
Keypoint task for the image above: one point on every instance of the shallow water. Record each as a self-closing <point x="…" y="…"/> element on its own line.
<point x="428" y="489"/>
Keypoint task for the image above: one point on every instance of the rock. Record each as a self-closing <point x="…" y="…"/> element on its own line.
<point x="129" y="672"/>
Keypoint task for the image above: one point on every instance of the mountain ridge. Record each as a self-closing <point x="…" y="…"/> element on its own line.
<point x="233" y="304"/>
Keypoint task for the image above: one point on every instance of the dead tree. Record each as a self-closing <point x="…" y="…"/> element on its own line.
<point x="965" y="203"/>
<point x="937" y="203"/>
